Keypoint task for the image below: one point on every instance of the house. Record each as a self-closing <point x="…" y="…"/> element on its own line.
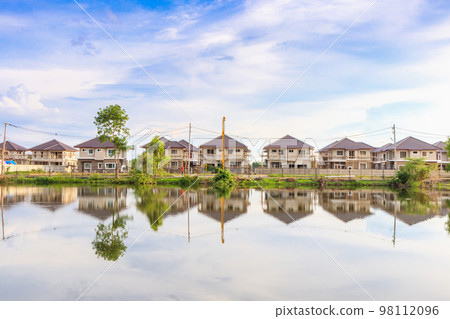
<point x="409" y="147"/>
<point x="177" y="152"/>
<point x="54" y="153"/>
<point x="14" y="152"/>
<point x="236" y="153"/>
<point x="99" y="157"/>
<point x="288" y="152"/>
<point x="346" y="154"/>
<point x="442" y="155"/>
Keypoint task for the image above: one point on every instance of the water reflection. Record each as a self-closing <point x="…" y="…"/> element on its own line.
<point x="288" y="205"/>
<point x="153" y="203"/>
<point x="233" y="206"/>
<point x="346" y="205"/>
<point x="92" y="224"/>
<point x="98" y="202"/>
<point x="103" y="203"/>
<point x="52" y="198"/>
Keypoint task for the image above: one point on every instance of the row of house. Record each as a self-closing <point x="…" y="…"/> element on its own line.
<point x="286" y="152"/>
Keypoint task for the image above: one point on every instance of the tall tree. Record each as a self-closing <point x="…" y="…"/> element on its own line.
<point x="111" y="126"/>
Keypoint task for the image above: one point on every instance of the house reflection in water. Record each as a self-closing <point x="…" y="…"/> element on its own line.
<point x="52" y="198"/>
<point x="100" y="203"/>
<point x="412" y="208"/>
<point x="177" y="199"/>
<point x="297" y="203"/>
<point x="14" y="195"/>
<point x="234" y="206"/>
<point x="346" y="205"/>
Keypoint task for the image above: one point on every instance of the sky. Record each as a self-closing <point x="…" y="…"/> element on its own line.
<point x="316" y="70"/>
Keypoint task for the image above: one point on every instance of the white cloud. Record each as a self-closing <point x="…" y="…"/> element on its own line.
<point x="19" y="100"/>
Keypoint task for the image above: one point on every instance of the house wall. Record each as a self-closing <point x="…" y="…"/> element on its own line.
<point x="234" y="157"/>
<point x="284" y="158"/>
<point x="57" y="158"/>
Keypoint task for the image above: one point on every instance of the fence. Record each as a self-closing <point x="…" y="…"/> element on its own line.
<point x="316" y="172"/>
<point x="29" y="168"/>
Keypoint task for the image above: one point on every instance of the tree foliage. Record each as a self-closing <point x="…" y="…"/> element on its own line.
<point x="413" y="174"/>
<point x="224" y="180"/>
<point x="447" y="148"/>
<point x="111" y="126"/>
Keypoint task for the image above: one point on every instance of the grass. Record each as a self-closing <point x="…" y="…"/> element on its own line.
<point x="204" y="181"/>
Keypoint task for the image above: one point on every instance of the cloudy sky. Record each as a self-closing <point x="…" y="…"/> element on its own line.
<point x="170" y="63"/>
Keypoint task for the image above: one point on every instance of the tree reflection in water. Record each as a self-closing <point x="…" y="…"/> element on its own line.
<point x="150" y="201"/>
<point x="109" y="239"/>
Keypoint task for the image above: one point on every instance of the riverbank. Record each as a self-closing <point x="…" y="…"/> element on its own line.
<point x="195" y="181"/>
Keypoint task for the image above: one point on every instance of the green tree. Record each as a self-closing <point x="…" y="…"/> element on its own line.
<point x="111" y="126"/>
<point x="154" y="155"/>
<point x="414" y="174"/>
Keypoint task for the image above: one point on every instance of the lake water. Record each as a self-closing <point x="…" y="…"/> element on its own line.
<point x="59" y="242"/>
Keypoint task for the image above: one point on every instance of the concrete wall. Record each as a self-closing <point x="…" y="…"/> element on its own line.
<point x="27" y="168"/>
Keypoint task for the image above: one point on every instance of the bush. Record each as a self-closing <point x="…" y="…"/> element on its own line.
<point x="140" y="178"/>
<point x="413" y="174"/>
<point x="224" y="179"/>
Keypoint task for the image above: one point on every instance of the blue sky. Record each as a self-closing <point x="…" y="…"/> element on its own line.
<point x="227" y="58"/>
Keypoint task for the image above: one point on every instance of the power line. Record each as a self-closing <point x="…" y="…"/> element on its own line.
<point x="424" y="133"/>
<point x="44" y="132"/>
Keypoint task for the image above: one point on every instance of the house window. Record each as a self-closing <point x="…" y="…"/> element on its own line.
<point x="238" y="151"/>
<point x="424" y="153"/>
<point x="300" y="152"/>
<point x="431" y="153"/>
<point x="230" y="151"/>
<point x="402" y="154"/>
<point x="363" y="166"/>
<point x="351" y="154"/>
<point x="110" y="153"/>
<point x="90" y="151"/>
<point x="210" y="151"/>
<point x="87" y="165"/>
<point x="83" y="150"/>
<point x="291" y="165"/>
<point x="99" y="150"/>
<point x="173" y="152"/>
<point x="274" y="151"/>
<point x="364" y="153"/>
<point x="110" y="165"/>
<point x="100" y="165"/>
<point x="291" y="151"/>
<point x="414" y="152"/>
<point x="281" y="152"/>
<point x="173" y="164"/>
<point x="339" y="153"/>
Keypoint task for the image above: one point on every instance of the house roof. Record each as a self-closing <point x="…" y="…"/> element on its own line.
<point x="413" y="144"/>
<point x="173" y="144"/>
<point x="95" y="143"/>
<point x="381" y="148"/>
<point x="53" y="145"/>
<point x="10" y="146"/>
<point x="347" y="144"/>
<point x="229" y="142"/>
<point x="441" y="145"/>
<point x="186" y="144"/>
<point x="162" y="139"/>
<point x="288" y="142"/>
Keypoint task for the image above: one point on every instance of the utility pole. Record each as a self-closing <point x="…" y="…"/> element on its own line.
<point x="223" y="143"/>
<point x="3" y="151"/>
<point x="395" y="148"/>
<point x="189" y="152"/>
